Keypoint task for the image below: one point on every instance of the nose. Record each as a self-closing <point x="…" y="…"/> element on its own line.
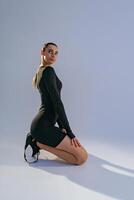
<point x="53" y="56"/>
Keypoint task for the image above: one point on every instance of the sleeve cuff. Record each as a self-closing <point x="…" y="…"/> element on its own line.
<point x="71" y="135"/>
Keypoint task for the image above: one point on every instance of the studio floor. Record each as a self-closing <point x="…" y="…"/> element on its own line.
<point x="107" y="175"/>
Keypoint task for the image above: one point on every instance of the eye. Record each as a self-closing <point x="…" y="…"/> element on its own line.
<point x="49" y="51"/>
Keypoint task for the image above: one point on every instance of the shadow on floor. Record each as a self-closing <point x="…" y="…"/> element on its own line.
<point x="96" y="174"/>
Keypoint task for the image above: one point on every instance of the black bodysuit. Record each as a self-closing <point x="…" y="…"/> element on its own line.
<point x="51" y="110"/>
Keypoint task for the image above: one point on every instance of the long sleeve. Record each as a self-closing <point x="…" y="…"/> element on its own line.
<point x="60" y="123"/>
<point x="50" y="82"/>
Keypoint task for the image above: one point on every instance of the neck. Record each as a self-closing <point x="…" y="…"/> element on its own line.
<point x="44" y="64"/>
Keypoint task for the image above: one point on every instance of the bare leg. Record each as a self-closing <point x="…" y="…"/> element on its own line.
<point x="79" y="152"/>
<point x="67" y="156"/>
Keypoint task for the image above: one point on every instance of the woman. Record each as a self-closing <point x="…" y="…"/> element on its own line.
<point x="43" y="133"/>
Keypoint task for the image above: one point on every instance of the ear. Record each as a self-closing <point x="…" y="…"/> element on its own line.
<point x="42" y="52"/>
<point x="42" y="59"/>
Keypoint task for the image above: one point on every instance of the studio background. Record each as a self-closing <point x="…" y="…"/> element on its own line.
<point x="95" y="64"/>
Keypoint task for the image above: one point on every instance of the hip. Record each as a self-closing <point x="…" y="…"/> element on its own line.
<point x="45" y="118"/>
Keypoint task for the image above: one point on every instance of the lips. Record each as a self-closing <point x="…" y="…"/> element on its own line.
<point x="52" y="59"/>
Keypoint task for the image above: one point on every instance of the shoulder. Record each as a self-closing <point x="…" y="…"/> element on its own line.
<point x="49" y="72"/>
<point x="48" y="68"/>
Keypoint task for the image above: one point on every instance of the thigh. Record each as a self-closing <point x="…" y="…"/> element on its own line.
<point x="66" y="145"/>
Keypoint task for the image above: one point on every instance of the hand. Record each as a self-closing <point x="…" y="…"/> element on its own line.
<point x="64" y="130"/>
<point x="75" y="142"/>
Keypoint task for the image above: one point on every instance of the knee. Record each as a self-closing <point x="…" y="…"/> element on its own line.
<point x="82" y="159"/>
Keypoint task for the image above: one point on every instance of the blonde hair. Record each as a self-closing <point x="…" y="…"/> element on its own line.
<point x="36" y="78"/>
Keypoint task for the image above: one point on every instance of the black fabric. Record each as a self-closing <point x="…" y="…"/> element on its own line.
<point x="51" y="111"/>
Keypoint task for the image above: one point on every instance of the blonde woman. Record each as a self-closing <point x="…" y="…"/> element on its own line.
<point x="43" y="134"/>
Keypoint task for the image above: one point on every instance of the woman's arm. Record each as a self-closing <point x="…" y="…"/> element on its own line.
<point x="49" y="78"/>
<point x="59" y="122"/>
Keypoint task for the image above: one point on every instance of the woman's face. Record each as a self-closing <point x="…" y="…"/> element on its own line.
<point x="50" y="54"/>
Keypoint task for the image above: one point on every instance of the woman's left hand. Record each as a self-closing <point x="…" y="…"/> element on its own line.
<point x="75" y="142"/>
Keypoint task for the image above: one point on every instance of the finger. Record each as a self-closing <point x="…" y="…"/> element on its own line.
<point x="78" y="143"/>
<point x="71" y="141"/>
<point x="75" y="143"/>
